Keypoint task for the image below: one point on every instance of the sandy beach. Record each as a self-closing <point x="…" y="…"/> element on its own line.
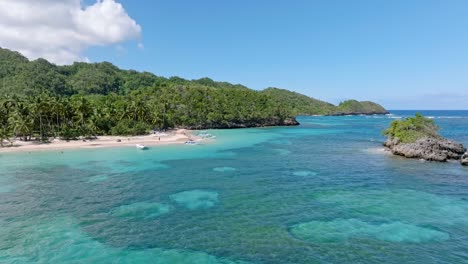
<point x="179" y="136"/>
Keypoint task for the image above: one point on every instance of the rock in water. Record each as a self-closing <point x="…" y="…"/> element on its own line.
<point x="464" y="159"/>
<point x="418" y="138"/>
<point x="290" y="122"/>
<point x="428" y="148"/>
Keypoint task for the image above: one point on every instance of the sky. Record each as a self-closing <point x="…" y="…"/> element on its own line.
<point x="402" y="54"/>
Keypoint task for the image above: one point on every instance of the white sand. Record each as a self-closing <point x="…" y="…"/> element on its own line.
<point x="172" y="137"/>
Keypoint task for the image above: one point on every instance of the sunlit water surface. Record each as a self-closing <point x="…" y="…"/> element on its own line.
<point x="323" y="192"/>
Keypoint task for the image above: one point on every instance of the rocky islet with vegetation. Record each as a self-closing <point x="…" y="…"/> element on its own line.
<point x="418" y="137"/>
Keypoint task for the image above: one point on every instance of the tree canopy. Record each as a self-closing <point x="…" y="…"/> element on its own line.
<point x="41" y="100"/>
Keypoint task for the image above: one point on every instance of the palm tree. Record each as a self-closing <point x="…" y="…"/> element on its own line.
<point x="21" y="121"/>
<point x="82" y="109"/>
<point x="91" y="128"/>
<point x="40" y="108"/>
<point x="57" y="108"/>
<point x="140" y="109"/>
<point x="4" y="135"/>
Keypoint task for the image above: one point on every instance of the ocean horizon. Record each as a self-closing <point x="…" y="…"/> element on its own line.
<point x="325" y="191"/>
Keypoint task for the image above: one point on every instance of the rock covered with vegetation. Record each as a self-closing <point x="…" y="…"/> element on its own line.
<point x="41" y="100"/>
<point x="418" y="137"/>
<point x="299" y="104"/>
<point x="353" y="107"/>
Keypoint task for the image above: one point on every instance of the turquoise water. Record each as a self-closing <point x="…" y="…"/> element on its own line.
<point x="323" y="192"/>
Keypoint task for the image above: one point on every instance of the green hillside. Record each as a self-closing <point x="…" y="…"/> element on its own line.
<point x="39" y="99"/>
<point x="356" y="107"/>
<point x="299" y="104"/>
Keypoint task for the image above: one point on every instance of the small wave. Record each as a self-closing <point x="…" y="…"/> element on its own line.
<point x="304" y="173"/>
<point x="282" y="152"/>
<point x="452" y="117"/>
<point x="224" y="169"/>
<point x="377" y="151"/>
<point x="392" y="116"/>
<point x="377" y="116"/>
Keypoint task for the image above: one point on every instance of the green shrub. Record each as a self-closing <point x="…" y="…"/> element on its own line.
<point x="413" y="128"/>
<point x="130" y="128"/>
<point x="69" y="133"/>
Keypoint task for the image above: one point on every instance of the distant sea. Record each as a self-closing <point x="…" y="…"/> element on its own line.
<point x="322" y="192"/>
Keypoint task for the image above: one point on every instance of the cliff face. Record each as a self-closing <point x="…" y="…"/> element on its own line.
<point x="248" y="124"/>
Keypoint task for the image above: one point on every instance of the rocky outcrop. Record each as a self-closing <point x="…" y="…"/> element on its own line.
<point x="428" y="148"/>
<point x="247" y="124"/>
<point x="464" y="159"/>
<point x="290" y="122"/>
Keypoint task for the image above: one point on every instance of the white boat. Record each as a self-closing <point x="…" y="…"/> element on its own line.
<point x="139" y="146"/>
<point x="190" y="142"/>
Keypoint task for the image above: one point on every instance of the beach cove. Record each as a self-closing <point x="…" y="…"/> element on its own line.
<point x="321" y="192"/>
<point x="179" y="136"/>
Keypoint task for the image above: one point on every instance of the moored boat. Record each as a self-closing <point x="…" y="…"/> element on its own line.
<point x="190" y="142"/>
<point x="142" y="147"/>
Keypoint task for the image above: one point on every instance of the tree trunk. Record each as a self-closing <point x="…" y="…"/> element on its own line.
<point x="40" y="127"/>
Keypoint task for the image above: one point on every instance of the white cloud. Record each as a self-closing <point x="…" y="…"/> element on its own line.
<point x="60" y="30"/>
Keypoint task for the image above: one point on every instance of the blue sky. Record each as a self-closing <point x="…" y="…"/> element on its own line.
<point x="403" y="54"/>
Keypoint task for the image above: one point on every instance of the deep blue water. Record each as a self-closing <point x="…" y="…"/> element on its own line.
<point x="322" y="192"/>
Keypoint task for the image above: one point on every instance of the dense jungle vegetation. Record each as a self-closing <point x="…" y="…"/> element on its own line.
<point x="40" y="100"/>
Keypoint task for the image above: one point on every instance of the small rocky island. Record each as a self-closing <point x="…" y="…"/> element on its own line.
<point x="418" y="137"/>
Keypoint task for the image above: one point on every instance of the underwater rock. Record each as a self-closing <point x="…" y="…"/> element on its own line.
<point x="160" y="166"/>
<point x="409" y="206"/>
<point x="141" y="210"/>
<point x="6" y="188"/>
<point x="340" y="230"/>
<point x="61" y="240"/>
<point x="427" y="148"/>
<point x="195" y="199"/>
<point x="98" y="178"/>
<point x="282" y="152"/>
<point x="224" y="169"/>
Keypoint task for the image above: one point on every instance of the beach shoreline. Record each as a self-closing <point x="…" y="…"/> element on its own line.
<point x="179" y="136"/>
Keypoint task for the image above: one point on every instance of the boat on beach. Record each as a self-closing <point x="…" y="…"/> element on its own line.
<point x="191" y="142"/>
